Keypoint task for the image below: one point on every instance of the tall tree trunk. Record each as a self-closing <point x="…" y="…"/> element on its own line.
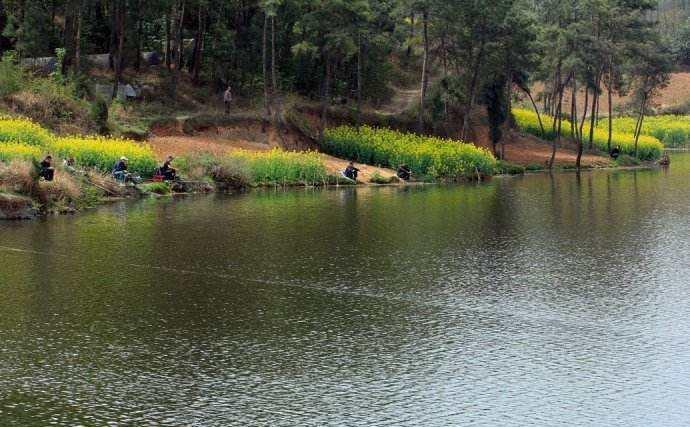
<point x="195" y="67"/>
<point x="118" y="62"/>
<point x="264" y="51"/>
<point x="140" y="29"/>
<point x="77" y="40"/>
<point x="580" y="139"/>
<point x="558" y="117"/>
<point x="168" y="41"/>
<point x="573" y="111"/>
<point x="325" y="97"/>
<point x="610" y="136"/>
<point x="584" y="116"/>
<point x="409" y="45"/>
<point x="592" y="118"/>
<point x="177" y="49"/>
<point x="640" y="122"/>
<point x="536" y="110"/>
<point x="274" y="68"/>
<point x="471" y="91"/>
<point x="425" y="64"/>
<point x="359" y="79"/>
<point x="557" y="92"/>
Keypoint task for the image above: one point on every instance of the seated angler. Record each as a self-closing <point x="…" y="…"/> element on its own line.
<point x="351" y="171"/>
<point x="169" y="174"/>
<point x="120" y="172"/>
<point x="616" y="152"/>
<point x="47" y="171"/>
<point x="404" y="172"/>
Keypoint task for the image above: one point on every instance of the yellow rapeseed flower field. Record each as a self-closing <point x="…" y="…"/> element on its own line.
<point x="648" y="147"/>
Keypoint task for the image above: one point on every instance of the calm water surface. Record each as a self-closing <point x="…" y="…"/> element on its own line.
<point x="539" y="300"/>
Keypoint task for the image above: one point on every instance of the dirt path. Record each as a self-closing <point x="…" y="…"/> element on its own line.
<point x="403" y="100"/>
<point x="527" y="150"/>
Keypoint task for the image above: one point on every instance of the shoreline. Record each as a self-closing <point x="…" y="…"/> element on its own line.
<point x="14" y="207"/>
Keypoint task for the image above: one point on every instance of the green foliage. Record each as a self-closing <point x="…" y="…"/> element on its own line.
<point x="57" y="73"/>
<point x="507" y="168"/>
<point x="284" y="167"/>
<point x="11" y="76"/>
<point x="437" y="157"/>
<point x="377" y="178"/>
<point x="99" y="114"/>
<point x="160" y="188"/>
<point x="626" y="160"/>
<point x="649" y="148"/>
<point x="240" y="169"/>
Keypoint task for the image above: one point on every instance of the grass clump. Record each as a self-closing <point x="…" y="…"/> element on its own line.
<point x="228" y="173"/>
<point x="625" y="160"/>
<point x="160" y="188"/>
<point x="648" y="147"/>
<point x="377" y="178"/>
<point x="278" y="167"/>
<point x="507" y="168"/>
<point x="241" y="169"/>
<point x="439" y="158"/>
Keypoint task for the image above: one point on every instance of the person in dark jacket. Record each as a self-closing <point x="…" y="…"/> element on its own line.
<point x="47" y="171"/>
<point x="616" y="152"/>
<point x="404" y="172"/>
<point x="120" y="170"/>
<point x="351" y="171"/>
<point x="169" y="174"/>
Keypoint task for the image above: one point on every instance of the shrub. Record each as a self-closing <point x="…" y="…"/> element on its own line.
<point x="377" y="178"/>
<point x="11" y="76"/>
<point x="62" y="190"/>
<point x="508" y="168"/>
<point x="231" y="173"/>
<point x="284" y="167"/>
<point x="242" y="168"/>
<point x="160" y="188"/>
<point x="99" y="114"/>
<point x="436" y="157"/>
<point x="18" y="176"/>
<point x="648" y="147"/>
<point x="625" y="160"/>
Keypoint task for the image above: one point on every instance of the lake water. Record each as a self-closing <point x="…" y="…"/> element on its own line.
<point x="537" y="300"/>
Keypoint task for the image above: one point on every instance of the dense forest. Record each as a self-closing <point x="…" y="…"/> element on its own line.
<point x="462" y="53"/>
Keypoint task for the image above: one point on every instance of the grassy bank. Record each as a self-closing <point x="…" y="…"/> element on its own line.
<point x="440" y="159"/>
<point x="648" y="148"/>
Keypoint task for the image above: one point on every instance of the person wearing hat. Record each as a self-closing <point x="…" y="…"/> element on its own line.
<point x="120" y="170"/>
<point x="168" y="172"/>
